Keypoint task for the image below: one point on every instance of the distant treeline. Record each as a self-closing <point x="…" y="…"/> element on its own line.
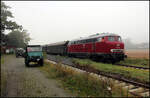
<point x="130" y="45"/>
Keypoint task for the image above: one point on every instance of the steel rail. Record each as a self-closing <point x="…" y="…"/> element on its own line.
<point x="144" y="68"/>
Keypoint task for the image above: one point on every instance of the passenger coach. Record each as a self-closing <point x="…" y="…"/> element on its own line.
<point x="57" y="48"/>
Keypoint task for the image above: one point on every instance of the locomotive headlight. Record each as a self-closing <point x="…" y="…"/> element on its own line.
<point x="111" y="50"/>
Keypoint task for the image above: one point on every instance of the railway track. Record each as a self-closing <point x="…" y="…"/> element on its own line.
<point x="134" y="88"/>
<point x="137" y="67"/>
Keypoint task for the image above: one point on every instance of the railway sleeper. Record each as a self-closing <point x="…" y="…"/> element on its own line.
<point x="128" y="87"/>
<point x="136" y="90"/>
<point x="116" y="81"/>
<point x="145" y="94"/>
<point x="121" y="84"/>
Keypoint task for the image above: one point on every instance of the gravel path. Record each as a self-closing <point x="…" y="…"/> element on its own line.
<point x="23" y="81"/>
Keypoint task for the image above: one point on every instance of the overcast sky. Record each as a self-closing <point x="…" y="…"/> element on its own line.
<point x="53" y="21"/>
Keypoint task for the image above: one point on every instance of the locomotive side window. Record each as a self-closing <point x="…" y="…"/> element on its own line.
<point x="95" y="39"/>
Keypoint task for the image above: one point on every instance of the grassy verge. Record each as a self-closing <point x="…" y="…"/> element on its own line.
<point x="136" y="62"/>
<point x="82" y="84"/>
<point x="129" y="73"/>
<point x="3" y="78"/>
<point x="2" y="59"/>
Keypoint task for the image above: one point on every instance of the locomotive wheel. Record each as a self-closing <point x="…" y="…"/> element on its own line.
<point x="113" y="61"/>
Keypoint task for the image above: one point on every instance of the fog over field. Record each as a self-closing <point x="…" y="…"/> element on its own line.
<point x="54" y="21"/>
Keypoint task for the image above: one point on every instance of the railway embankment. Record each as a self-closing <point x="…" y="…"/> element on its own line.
<point x="137" y="75"/>
<point x="81" y="82"/>
<point x="132" y="74"/>
<point x="139" y="78"/>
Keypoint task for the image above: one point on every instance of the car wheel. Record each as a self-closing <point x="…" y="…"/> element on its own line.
<point x="41" y="62"/>
<point x="27" y="63"/>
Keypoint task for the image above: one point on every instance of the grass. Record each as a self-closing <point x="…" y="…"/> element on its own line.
<point x="129" y="73"/>
<point x="140" y="62"/>
<point x="2" y="59"/>
<point x="44" y="55"/>
<point x="82" y="84"/>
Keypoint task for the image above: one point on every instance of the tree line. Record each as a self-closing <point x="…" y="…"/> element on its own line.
<point x="17" y="36"/>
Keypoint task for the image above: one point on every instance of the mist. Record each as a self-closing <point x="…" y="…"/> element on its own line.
<point x="54" y="21"/>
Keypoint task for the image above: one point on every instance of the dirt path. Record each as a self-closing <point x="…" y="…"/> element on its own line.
<point x="23" y="81"/>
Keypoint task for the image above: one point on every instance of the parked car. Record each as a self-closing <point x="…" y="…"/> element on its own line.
<point x="19" y="52"/>
<point x="33" y="53"/>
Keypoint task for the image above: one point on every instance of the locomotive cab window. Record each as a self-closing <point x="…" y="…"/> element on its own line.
<point x="119" y="39"/>
<point x="114" y="38"/>
<point x="111" y="38"/>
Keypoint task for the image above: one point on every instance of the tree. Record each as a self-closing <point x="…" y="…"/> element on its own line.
<point x="18" y="38"/>
<point x="6" y="23"/>
<point x="26" y="37"/>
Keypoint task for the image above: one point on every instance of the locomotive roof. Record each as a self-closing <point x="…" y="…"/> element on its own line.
<point x="96" y="36"/>
<point x="58" y="43"/>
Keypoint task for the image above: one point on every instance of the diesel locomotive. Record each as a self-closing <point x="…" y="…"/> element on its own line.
<point x="103" y="47"/>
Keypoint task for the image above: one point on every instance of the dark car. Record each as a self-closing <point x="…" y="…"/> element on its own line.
<point x="33" y="54"/>
<point x="19" y="52"/>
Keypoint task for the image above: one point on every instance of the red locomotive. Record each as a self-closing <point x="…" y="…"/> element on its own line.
<point x="104" y="46"/>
